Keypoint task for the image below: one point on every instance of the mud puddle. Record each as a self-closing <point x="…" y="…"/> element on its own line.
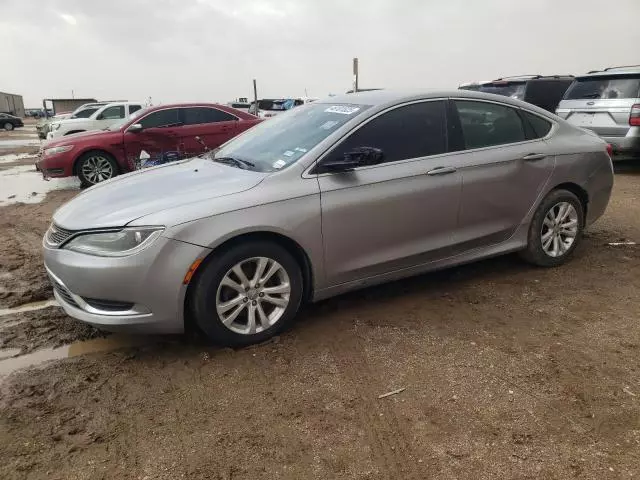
<point x="11" y="361"/>
<point x="19" y="142"/>
<point x="16" y="157"/>
<point x="25" y="185"/>
<point x="28" y="307"/>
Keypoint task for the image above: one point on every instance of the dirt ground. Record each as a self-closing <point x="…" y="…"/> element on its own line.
<point x="508" y="372"/>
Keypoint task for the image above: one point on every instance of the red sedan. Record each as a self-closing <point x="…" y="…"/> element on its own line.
<point x="153" y="135"/>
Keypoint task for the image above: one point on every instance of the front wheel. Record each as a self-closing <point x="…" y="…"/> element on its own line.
<point x="8" y="126"/>
<point x="555" y="230"/>
<point x="247" y="294"/>
<point x="96" y="167"/>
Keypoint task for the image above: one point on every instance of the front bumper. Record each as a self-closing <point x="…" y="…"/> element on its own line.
<point x="148" y="285"/>
<point x="60" y="165"/>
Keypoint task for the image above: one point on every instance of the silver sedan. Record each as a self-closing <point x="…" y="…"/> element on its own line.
<point x="329" y="197"/>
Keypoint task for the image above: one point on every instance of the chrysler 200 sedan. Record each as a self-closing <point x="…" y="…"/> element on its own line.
<point x="329" y="197"/>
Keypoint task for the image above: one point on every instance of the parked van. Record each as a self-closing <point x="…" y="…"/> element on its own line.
<point x="608" y="103"/>
<point x="543" y="91"/>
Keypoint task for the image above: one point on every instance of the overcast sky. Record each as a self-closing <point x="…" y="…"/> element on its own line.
<point x="210" y="50"/>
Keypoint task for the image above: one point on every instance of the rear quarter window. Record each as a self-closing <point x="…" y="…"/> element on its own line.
<point x="539" y="127"/>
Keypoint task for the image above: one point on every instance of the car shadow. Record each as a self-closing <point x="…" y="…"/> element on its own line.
<point x="627" y="167"/>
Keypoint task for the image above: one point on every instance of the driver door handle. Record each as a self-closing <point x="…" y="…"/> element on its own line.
<point x="534" y="156"/>
<point x="441" y="170"/>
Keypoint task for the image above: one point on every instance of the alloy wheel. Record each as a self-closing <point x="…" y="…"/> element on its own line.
<point x="97" y="169"/>
<point x="253" y="295"/>
<point x="559" y="229"/>
<point x="8" y="126"/>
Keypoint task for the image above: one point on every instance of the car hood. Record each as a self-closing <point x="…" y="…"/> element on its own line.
<point x="122" y="200"/>
<point x="90" y="135"/>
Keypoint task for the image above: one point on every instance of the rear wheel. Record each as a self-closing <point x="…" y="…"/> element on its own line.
<point x="96" y="167"/>
<point x="555" y="230"/>
<point x="247" y="294"/>
<point x="8" y="126"/>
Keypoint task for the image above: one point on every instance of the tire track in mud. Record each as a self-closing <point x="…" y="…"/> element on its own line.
<point x="391" y="450"/>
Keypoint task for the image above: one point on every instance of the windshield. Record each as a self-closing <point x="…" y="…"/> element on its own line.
<point x="120" y="123"/>
<point x="513" y="90"/>
<point x="86" y="113"/>
<point x="604" y="88"/>
<point x="283" y="140"/>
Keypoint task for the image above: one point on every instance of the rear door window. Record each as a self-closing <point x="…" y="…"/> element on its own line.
<point x="160" y="118"/>
<point x="199" y="115"/>
<point x="605" y="87"/>
<point x="489" y="124"/>
<point x="412" y="131"/>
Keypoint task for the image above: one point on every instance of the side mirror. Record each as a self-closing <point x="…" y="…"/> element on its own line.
<point x="100" y="117"/>
<point x="358" y="157"/>
<point x="135" y="128"/>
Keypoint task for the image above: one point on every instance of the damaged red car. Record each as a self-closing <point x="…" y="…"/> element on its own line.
<point x="151" y="136"/>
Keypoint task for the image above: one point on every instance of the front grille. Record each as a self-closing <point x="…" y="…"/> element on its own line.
<point x="56" y="235"/>
<point x="108" y="305"/>
<point x="64" y="293"/>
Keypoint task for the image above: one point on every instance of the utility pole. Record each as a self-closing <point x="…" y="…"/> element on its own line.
<point x="72" y="95"/>
<point x="355" y="74"/>
<point x="255" y="96"/>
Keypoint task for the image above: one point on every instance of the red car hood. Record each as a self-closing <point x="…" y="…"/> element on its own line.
<point x="94" y="136"/>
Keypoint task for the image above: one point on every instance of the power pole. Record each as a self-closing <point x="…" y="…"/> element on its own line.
<point x="255" y="96"/>
<point x="355" y="74"/>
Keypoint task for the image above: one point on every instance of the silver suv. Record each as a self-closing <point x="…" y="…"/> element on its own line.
<point x="608" y="103"/>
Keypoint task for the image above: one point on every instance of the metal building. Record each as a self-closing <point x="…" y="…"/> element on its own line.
<point x="12" y="103"/>
<point x="62" y="105"/>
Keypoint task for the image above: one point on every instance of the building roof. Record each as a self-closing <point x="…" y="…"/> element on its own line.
<point x="87" y="100"/>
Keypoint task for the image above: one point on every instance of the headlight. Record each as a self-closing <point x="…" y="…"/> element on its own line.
<point x="115" y="244"/>
<point x="54" y="150"/>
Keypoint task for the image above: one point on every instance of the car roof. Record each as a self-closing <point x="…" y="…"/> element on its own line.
<point x="392" y="96"/>
<point x="226" y="108"/>
<point x="622" y="70"/>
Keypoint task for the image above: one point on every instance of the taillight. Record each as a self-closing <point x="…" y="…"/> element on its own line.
<point x="634" y="118"/>
<point x="610" y="150"/>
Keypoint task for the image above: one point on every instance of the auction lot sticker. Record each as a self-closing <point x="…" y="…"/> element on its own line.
<point x="342" y="109"/>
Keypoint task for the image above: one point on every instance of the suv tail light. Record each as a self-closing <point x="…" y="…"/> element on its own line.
<point x="634" y="118"/>
<point x="610" y="150"/>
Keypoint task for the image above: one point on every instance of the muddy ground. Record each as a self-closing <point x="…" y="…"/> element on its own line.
<point x="509" y="372"/>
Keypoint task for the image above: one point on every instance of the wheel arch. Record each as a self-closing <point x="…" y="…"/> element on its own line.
<point x="71" y="132"/>
<point x="579" y="192"/>
<point x="293" y="247"/>
<point x="83" y="152"/>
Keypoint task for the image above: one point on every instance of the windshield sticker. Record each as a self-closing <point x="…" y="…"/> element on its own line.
<point x="279" y="164"/>
<point x="329" y="124"/>
<point x="289" y="153"/>
<point x="298" y="149"/>
<point x="342" y="109"/>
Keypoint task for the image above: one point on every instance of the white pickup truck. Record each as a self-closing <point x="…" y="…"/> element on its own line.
<point x="101" y="118"/>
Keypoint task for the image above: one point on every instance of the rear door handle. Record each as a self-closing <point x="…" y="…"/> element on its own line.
<point x="533" y="156"/>
<point x="441" y="171"/>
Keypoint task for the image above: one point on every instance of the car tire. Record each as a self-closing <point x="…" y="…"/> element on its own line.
<point x="235" y="311"/>
<point x="555" y="230"/>
<point x="8" y="126"/>
<point x="95" y="167"/>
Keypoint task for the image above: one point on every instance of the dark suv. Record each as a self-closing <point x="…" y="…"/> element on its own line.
<point x="545" y="92"/>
